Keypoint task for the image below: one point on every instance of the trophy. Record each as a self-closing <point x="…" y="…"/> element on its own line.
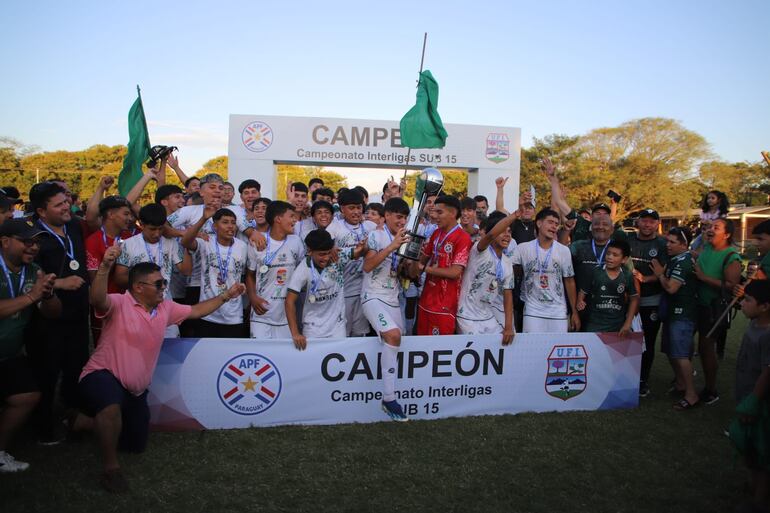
<point x="429" y="183"/>
<point x="158" y="153"/>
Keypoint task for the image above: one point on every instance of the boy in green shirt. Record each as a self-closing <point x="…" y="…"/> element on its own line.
<point x="611" y="298"/>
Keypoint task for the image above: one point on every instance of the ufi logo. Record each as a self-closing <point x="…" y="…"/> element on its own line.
<point x="249" y="384"/>
<point x="257" y="136"/>
<point x="567" y="371"/>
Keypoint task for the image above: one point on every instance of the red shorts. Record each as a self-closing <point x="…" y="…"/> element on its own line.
<point x="432" y="323"/>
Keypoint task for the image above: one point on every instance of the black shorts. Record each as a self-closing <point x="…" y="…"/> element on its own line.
<point x="16" y="377"/>
<point x="101" y="389"/>
<point x="707" y="317"/>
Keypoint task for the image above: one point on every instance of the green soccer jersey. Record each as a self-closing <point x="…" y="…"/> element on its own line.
<point x="764" y="264"/>
<point x="607" y="300"/>
<point x="713" y="263"/>
<point x="643" y="251"/>
<point x="12" y="328"/>
<point x="683" y="304"/>
<point x="587" y="256"/>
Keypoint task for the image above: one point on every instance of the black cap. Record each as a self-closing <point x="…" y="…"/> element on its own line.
<point x="602" y="206"/>
<point x="20" y="228"/>
<point x="648" y="212"/>
<point x="6" y="202"/>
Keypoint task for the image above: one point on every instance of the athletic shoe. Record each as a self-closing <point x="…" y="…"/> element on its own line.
<point x="9" y="464"/>
<point x="709" y="397"/>
<point x="394" y="411"/>
<point x="114" y="481"/>
<point x="644" y="390"/>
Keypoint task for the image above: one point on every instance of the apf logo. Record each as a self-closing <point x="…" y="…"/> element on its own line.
<point x="567" y="372"/>
<point x="249" y="384"/>
<point x="257" y="136"/>
<point x="498" y="148"/>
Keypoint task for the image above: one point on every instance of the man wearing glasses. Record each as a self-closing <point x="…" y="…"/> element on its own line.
<point x="113" y="385"/>
<point x="22" y="286"/>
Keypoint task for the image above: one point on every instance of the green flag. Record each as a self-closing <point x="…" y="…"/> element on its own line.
<point x="138" y="147"/>
<point x="421" y="127"/>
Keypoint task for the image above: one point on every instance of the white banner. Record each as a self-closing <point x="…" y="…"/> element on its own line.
<point x="219" y="383"/>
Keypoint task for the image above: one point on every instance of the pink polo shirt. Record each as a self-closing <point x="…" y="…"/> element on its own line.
<point x="131" y="340"/>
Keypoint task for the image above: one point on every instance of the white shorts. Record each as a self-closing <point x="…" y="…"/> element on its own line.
<point x="171" y="331"/>
<point x="336" y="332"/>
<point x="468" y="327"/>
<point x="357" y="325"/>
<point x="540" y="325"/>
<point x="264" y="331"/>
<point x="382" y="316"/>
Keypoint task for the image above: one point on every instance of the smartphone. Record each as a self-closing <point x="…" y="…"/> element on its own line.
<point x="614" y="196"/>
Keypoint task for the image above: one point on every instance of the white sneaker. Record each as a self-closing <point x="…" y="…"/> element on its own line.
<point x="9" y="464"/>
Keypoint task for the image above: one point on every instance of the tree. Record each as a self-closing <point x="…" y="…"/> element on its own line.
<point x="455" y="183"/>
<point x="741" y="181"/>
<point x="216" y="165"/>
<point x="286" y="174"/>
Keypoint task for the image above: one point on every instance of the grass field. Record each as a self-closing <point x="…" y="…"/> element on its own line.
<point x="650" y="459"/>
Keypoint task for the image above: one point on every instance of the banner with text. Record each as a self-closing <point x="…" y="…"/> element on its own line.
<point x="238" y="383"/>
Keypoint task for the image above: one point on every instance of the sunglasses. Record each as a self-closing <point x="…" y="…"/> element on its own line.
<point x="28" y="242"/>
<point x="158" y="284"/>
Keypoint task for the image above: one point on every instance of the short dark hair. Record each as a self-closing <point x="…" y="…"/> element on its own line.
<point x="492" y="219"/>
<point x="377" y="207"/>
<point x="140" y="270"/>
<point x="223" y="212"/>
<point x="277" y="208"/>
<point x="547" y="212"/>
<point x="112" y="203"/>
<point x="363" y="191"/>
<point x="682" y="234"/>
<point x="319" y="240"/>
<point x="257" y="201"/>
<point x="228" y="183"/>
<point x="468" y="204"/>
<point x="189" y="181"/>
<point x="41" y="192"/>
<point x="299" y="186"/>
<point x="314" y="181"/>
<point x="350" y="197"/>
<point x="479" y="197"/>
<point x="323" y="191"/>
<point x="623" y="246"/>
<point x="318" y="205"/>
<point x="396" y="205"/>
<point x="762" y="228"/>
<point x="164" y="191"/>
<point x="153" y="214"/>
<point x="249" y="184"/>
<point x="759" y="290"/>
<point x="450" y="201"/>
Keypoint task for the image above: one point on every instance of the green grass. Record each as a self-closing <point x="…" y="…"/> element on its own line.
<point x="650" y="459"/>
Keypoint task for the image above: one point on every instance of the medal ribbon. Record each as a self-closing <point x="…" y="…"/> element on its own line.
<point x="315" y="278"/>
<point x="542" y="267"/>
<point x="438" y="244"/>
<point x="599" y="258"/>
<point x="498" y="264"/>
<point x="13" y="293"/>
<point x="117" y="239"/>
<point x="268" y="256"/>
<point x="223" y="269"/>
<point x="71" y="252"/>
<point x="149" y="254"/>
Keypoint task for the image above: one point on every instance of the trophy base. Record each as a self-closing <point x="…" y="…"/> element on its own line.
<point x="411" y="250"/>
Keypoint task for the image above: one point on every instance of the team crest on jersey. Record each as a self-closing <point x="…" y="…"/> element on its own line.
<point x="249" y="384"/>
<point x="280" y="277"/>
<point x="653" y="252"/>
<point x="435" y="331"/>
<point x="448" y="247"/>
<point x="621" y="288"/>
<point x="567" y="372"/>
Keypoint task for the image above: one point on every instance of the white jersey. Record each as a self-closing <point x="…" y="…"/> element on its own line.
<point x="542" y="286"/>
<point x="219" y="273"/>
<point x="242" y="221"/>
<point x="187" y="216"/>
<point x="484" y="280"/>
<point x="302" y="228"/>
<point x="166" y="253"/>
<point x="382" y="282"/>
<point x="323" y="312"/>
<point x="274" y="267"/>
<point x="347" y="236"/>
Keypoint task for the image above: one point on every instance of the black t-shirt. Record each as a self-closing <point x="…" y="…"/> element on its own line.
<point x="642" y="253"/>
<point x="523" y="231"/>
<point x="52" y="258"/>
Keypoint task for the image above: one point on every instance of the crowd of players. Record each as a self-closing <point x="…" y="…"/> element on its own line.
<point x="88" y="295"/>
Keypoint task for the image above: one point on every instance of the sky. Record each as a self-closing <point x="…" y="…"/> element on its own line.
<point x="546" y="67"/>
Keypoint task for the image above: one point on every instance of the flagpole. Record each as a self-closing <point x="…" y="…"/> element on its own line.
<point x="146" y="132"/>
<point x="422" y="61"/>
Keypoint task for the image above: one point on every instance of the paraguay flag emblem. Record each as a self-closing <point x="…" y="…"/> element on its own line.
<point x="249" y="384"/>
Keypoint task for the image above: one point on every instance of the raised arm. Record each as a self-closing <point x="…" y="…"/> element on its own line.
<point x="558" y="201"/>
<point x="499" y="228"/>
<point x="92" y="209"/>
<point x="173" y="163"/>
<point x="374" y="258"/>
<point x="189" y="238"/>
<point x="203" y="309"/>
<point x="499" y="196"/>
<point x="136" y="191"/>
<point x="98" y="293"/>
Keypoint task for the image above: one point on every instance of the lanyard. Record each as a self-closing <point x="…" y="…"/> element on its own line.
<point x="223" y="269"/>
<point x="7" y="273"/>
<point x="393" y="262"/>
<point x="354" y="230"/>
<point x="498" y="263"/>
<point x="149" y="254"/>
<point x="71" y="252"/>
<point x="599" y="258"/>
<point x="542" y="267"/>
<point x="116" y="240"/>
<point x="315" y="278"/>
<point x="270" y="257"/>
<point x="437" y="244"/>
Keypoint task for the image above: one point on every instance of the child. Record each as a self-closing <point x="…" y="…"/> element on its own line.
<point x="752" y="379"/>
<point x="270" y="270"/>
<point x="375" y="212"/>
<point x="612" y="295"/>
<point x="486" y="295"/>
<point x="223" y="260"/>
<point x="323" y="310"/>
<point x="468" y="218"/>
<point x="380" y="290"/>
<point x="321" y="215"/>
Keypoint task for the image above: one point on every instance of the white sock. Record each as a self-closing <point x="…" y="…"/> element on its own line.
<point x="389" y="360"/>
